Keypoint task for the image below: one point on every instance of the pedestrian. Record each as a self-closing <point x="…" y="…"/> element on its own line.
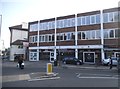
<point x="111" y="63"/>
<point x="20" y="61"/>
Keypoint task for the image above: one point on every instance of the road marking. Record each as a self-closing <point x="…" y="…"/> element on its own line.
<point x="43" y="79"/>
<point x="99" y="77"/>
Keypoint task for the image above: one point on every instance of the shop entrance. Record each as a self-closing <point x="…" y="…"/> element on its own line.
<point x="89" y="57"/>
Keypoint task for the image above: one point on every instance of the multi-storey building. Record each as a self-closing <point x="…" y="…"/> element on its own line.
<point x="90" y="36"/>
<point x="19" y="36"/>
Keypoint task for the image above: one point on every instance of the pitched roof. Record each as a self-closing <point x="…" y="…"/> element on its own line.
<point x="18" y="27"/>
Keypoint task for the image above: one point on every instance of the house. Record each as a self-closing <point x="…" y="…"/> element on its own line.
<point x="19" y="37"/>
<point x="90" y="36"/>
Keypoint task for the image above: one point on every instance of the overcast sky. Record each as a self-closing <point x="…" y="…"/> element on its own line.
<point x="14" y="12"/>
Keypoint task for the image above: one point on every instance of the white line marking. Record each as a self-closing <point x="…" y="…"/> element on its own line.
<point x="100" y="77"/>
<point x="43" y="79"/>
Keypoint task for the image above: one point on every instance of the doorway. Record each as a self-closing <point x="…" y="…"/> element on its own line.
<point x="89" y="57"/>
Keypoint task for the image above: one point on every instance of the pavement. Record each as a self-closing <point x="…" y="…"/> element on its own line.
<point x="43" y="75"/>
<point x="43" y="64"/>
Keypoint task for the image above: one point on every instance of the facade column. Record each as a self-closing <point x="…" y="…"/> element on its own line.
<point x="38" y="41"/>
<point x="55" y="42"/>
<point x="102" y="36"/>
<point x="76" y="37"/>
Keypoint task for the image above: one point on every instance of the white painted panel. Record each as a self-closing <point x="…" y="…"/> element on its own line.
<point x="18" y="34"/>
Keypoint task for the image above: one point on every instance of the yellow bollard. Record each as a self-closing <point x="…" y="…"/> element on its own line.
<point x="49" y="68"/>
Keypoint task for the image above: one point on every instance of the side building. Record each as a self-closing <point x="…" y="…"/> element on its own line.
<point x="18" y="41"/>
<point x="90" y="36"/>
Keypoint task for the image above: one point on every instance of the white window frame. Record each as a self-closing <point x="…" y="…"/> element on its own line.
<point x="82" y="20"/>
<point x="94" y="19"/>
<point x="109" y="16"/>
<point x="86" y="20"/>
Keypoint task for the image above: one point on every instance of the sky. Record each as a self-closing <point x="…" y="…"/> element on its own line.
<point x="14" y="12"/>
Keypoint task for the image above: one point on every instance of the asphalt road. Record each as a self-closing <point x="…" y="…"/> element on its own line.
<point x="66" y="77"/>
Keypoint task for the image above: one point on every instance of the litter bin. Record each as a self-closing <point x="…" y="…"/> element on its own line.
<point x="55" y="62"/>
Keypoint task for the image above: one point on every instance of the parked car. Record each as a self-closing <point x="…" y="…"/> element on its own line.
<point x="114" y="60"/>
<point x="72" y="60"/>
<point x="107" y="61"/>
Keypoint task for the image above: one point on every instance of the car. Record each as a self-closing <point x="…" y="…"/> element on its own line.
<point x="114" y="60"/>
<point x="72" y="60"/>
<point x="106" y="61"/>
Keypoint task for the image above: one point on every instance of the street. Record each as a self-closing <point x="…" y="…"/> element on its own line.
<point x="67" y="76"/>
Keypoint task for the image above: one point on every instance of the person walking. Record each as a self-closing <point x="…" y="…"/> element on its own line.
<point x="20" y="61"/>
<point x="111" y="63"/>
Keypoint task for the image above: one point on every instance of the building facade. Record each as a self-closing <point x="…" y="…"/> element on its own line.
<point x="19" y="36"/>
<point x="90" y="36"/>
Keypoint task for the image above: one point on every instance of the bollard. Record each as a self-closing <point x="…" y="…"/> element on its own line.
<point x="49" y="68"/>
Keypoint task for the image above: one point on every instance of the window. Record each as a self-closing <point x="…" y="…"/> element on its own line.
<point x="93" y="19"/>
<point x="65" y="37"/>
<point x="111" y="19"/>
<point x="98" y="34"/>
<point x="30" y="39"/>
<point x="98" y="18"/>
<point x="65" y="23"/>
<point x="46" y="38"/>
<point x="33" y="27"/>
<point x="88" y="20"/>
<point x="40" y="38"/>
<point x="68" y="36"/>
<point x="117" y="33"/>
<point x="87" y="35"/>
<point x="79" y="35"/>
<point x="43" y="38"/>
<point x="53" y="38"/>
<point x="105" y="17"/>
<point x="83" y="21"/>
<point x="50" y="38"/>
<point x="33" y="56"/>
<point x="58" y="37"/>
<point x="73" y="36"/>
<point x="60" y="23"/>
<point x="93" y="34"/>
<point x="36" y="38"/>
<point x="72" y="22"/>
<point x="20" y="46"/>
<point x="116" y="16"/>
<point x="106" y="34"/>
<point x="78" y="21"/>
<point x="62" y="36"/>
<point x="111" y="33"/>
<point x="83" y="35"/>
<point x="33" y="39"/>
<point x="50" y="25"/>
